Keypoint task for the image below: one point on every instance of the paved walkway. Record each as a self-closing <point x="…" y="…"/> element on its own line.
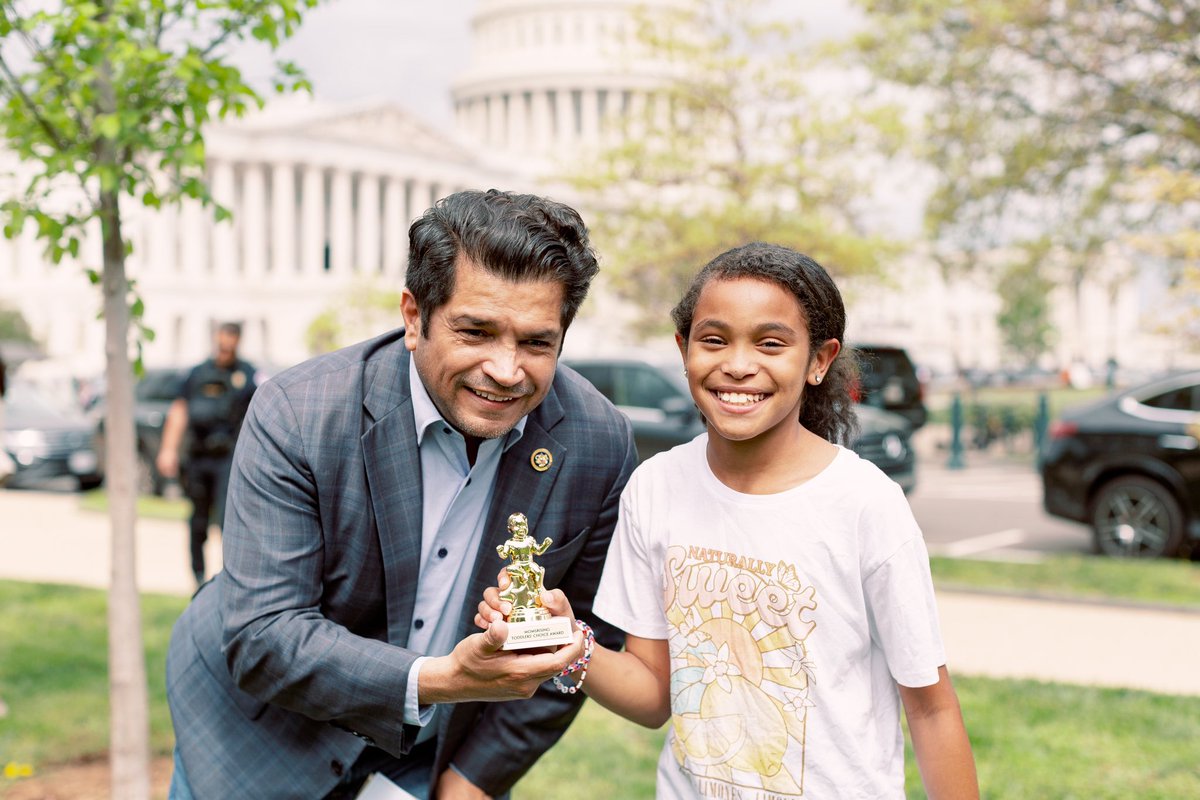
<point x="46" y="537"/>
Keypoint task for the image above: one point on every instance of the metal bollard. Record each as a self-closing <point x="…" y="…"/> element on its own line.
<point x="1041" y="424"/>
<point x="956" y="424"/>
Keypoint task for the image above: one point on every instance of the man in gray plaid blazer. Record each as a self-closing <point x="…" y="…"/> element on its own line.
<point x="370" y="489"/>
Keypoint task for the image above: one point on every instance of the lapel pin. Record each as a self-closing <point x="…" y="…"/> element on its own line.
<point x="541" y="459"/>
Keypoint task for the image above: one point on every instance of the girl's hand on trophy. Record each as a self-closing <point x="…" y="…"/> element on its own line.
<point x="557" y="604"/>
<point x="492" y="608"/>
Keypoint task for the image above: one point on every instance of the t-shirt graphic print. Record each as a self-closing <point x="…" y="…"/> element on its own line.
<point x="742" y="676"/>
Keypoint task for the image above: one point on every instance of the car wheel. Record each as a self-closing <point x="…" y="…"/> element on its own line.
<point x="1135" y="517"/>
<point x="87" y="484"/>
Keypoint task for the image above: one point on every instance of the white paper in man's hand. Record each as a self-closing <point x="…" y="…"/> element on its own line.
<point x="379" y="787"/>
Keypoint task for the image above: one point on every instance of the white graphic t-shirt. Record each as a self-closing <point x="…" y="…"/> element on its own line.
<point x="790" y="619"/>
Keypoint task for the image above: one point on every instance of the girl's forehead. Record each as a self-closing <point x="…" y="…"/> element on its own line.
<point x="747" y="295"/>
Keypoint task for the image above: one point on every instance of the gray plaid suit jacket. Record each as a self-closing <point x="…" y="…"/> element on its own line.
<point x="287" y="664"/>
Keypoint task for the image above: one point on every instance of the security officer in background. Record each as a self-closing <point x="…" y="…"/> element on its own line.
<point x="209" y="409"/>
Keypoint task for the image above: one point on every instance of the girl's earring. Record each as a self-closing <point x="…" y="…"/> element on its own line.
<point x="816" y="380"/>
<point x="685" y="372"/>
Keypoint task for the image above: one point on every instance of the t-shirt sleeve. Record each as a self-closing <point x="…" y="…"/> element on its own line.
<point x="631" y="593"/>
<point x="901" y="606"/>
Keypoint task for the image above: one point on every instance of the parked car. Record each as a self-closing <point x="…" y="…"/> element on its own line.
<point x="152" y="398"/>
<point x="659" y="405"/>
<point x="46" y="442"/>
<point x="888" y="380"/>
<point x="1129" y="466"/>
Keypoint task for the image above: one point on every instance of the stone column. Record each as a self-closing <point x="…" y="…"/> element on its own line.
<point x="540" y="136"/>
<point x="312" y="221"/>
<point x="194" y="240"/>
<point x="341" y="222"/>
<point x="224" y="243"/>
<point x="367" y="225"/>
<point x="565" y="108"/>
<point x="590" y="116"/>
<point x="518" y="127"/>
<point x="253" y="221"/>
<point x="496" y="121"/>
<point x="395" y="227"/>
<point x="283" y="221"/>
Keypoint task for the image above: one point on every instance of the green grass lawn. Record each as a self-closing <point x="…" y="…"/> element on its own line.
<point x="54" y="671"/>
<point x="1161" y="581"/>
<point x="1031" y="740"/>
<point x="149" y="506"/>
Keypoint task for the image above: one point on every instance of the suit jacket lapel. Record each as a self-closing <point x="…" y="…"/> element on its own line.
<point x="394" y="479"/>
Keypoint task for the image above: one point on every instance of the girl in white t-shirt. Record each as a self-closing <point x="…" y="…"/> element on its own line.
<point x="774" y="587"/>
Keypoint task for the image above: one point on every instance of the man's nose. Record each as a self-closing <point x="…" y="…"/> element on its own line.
<point x="504" y="365"/>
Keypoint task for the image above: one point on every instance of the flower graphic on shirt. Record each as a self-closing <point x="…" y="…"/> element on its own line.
<point x="800" y="662"/>
<point x="719" y="668"/>
<point x="688" y="634"/>
<point x="797" y="702"/>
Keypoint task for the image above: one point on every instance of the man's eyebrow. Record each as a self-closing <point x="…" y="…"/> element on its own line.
<point x="474" y="322"/>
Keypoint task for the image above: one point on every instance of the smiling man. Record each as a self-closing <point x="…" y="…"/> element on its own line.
<point x="370" y="489"/>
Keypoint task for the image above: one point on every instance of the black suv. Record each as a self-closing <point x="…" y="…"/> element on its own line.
<point x="889" y="381"/>
<point x="1129" y="466"/>
<point x="659" y="405"/>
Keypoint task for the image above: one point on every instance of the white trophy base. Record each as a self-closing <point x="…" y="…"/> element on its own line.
<point x="545" y="633"/>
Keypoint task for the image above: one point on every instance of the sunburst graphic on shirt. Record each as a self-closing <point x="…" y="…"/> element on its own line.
<point x="741" y="678"/>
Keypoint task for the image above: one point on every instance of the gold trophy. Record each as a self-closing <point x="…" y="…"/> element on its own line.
<point x="529" y="624"/>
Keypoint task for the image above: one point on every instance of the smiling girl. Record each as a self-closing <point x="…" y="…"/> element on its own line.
<point x="773" y="586"/>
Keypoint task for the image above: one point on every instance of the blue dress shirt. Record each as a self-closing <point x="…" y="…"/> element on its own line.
<point x="455" y="497"/>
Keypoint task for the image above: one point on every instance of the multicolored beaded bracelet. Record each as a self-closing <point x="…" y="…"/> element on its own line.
<point x="581" y="663"/>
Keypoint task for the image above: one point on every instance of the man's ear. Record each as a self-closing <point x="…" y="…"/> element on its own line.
<point x="412" y="319"/>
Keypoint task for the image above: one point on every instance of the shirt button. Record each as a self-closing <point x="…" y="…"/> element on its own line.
<point x="443" y="552"/>
<point x="336" y="768"/>
<point x="418" y="624"/>
<point x="445" y="430"/>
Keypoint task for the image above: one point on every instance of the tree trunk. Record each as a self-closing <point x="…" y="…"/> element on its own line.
<point x="129" y="726"/>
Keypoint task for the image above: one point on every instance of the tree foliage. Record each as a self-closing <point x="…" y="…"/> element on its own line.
<point x="1025" y="316"/>
<point x="364" y="310"/>
<point x="104" y="101"/>
<point x="14" y="327"/>
<point x="1048" y="120"/>
<point x="736" y="146"/>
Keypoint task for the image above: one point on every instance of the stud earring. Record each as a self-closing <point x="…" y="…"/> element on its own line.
<point x="816" y="380"/>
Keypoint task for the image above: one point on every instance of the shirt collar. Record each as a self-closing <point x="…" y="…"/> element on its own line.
<point x="425" y="413"/>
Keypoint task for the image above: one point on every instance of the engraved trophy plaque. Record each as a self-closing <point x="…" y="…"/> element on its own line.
<point x="529" y="624"/>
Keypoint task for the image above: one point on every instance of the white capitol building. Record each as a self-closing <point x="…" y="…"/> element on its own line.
<point x="322" y="197"/>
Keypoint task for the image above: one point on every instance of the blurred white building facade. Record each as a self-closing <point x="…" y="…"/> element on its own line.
<point x="322" y="197"/>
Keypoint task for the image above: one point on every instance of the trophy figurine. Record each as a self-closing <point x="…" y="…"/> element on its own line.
<point x="529" y="624"/>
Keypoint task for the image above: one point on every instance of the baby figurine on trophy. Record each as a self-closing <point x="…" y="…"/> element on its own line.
<point x="529" y="624"/>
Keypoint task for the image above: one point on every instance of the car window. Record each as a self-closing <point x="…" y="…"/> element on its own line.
<point x="600" y="376"/>
<point x="1184" y="398"/>
<point x="644" y="388"/>
<point x="163" y="386"/>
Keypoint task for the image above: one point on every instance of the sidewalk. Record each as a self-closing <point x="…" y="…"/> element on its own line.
<point x="45" y="537"/>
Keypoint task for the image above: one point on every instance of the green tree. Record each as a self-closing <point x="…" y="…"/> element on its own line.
<point x="1044" y="121"/>
<point x="14" y="327"/>
<point x="734" y="146"/>
<point x="1025" y="312"/>
<point x="108" y="98"/>
<point x="364" y="310"/>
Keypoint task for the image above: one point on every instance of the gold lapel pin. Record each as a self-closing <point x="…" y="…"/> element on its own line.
<point x="541" y="459"/>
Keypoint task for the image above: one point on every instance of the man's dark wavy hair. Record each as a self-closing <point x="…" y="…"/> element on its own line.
<point x="827" y="408"/>
<point x="519" y="237"/>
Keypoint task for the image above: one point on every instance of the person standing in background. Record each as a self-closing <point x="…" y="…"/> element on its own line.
<point x="204" y="422"/>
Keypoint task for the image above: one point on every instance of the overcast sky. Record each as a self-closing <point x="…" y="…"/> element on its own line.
<point x="411" y="51"/>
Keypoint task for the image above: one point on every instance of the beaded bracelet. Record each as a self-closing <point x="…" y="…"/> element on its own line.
<point x="581" y="663"/>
